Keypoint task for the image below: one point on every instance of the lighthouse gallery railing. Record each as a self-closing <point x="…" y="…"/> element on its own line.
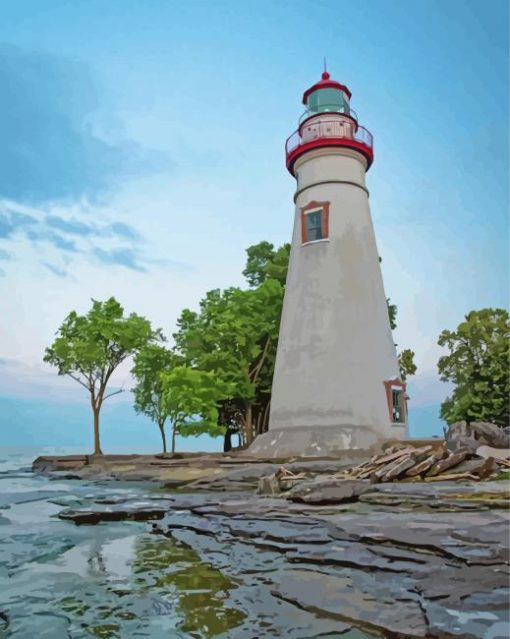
<point x="326" y="128"/>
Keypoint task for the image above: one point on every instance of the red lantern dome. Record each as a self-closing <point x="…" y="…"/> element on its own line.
<point x="328" y="121"/>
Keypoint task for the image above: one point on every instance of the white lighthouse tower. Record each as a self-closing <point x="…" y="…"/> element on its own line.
<point x="336" y="383"/>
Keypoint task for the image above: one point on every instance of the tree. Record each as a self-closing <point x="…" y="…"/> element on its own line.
<point x="478" y="365"/>
<point x="190" y="399"/>
<point x="392" y="314"/>
<point x="232" y="336"/>
<point x="264" y="262"/>
<point x="150" y="362"/>
<point x="406" y="363"/>
<point x="89" y="348"/>
<point x="392" y="309"/>
<point x="405" y="358"/>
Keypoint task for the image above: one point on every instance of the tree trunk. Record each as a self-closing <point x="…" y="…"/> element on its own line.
<point x="97" y="443"/>
<point x="163" y="435"/>
<point x="227" y="441"/>
<point x="173" y="439"/>
<point x="248" y="426"/>
<point x="265" y="421"/>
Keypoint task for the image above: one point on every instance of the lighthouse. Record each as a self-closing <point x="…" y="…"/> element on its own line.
<point x="336" y="384"/>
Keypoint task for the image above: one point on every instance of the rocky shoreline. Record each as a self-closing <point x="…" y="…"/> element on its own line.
<point x="350" y="558"/>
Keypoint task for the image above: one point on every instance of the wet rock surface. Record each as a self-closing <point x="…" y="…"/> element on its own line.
<point x="328" y="558"/>
<point x="117" y="510"/>
<point x="367" y="568"/>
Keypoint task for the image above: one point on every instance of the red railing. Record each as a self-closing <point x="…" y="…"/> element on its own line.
<point x="329" y="131"/>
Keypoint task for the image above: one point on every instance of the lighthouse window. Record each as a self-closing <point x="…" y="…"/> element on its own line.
<point x="398" y="406"/>
<point x="314" y="226"/>
<point x="315" y="222"/>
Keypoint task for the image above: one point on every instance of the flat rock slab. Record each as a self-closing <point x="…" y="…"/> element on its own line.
<point x="328" y="491"/>
<point x="383" y="571"/>
<point x="358" y="598"/>
<point x="136" y="511"/>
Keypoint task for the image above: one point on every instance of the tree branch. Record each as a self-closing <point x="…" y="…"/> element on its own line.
<point x="256" y="370"/>
<point x="77" y="379"/>
<point x="112" y="394"/>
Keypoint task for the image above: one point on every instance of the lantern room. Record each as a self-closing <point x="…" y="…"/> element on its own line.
<point x="327" y="96"/>
<point x="328" y="121"/>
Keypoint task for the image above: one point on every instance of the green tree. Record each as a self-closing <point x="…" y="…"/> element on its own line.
<point x="89" y="348"/>
<point x="265" y="262"/>
<point x="405" y="358"/>
<point x="392" y="314"/>
<point x="406" y="363"/>
<point x="478" y="365"/>
<point x="150" y="362"/>
<point x="190" y="399"/>
<point x="232" y="336"/>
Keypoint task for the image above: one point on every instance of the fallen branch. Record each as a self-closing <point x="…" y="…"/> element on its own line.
<point x="452" y="477"/>
<point x="403" y="464"/>
<point x="444" y="464"/>
<point x="293" y="477"/>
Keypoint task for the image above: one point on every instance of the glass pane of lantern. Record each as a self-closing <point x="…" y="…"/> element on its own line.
<point x="326" y="100"/>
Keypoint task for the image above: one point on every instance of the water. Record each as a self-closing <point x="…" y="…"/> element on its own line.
<point x="110" y="580"/>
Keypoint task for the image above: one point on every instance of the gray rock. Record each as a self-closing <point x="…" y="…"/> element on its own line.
<point x="382" y="570"/>
<point x="328" y="491"/>
<point x="136" y="511"/>
<point x="351" y="599"/>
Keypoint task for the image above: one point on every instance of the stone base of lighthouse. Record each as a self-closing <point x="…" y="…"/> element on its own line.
<point x="318" y="441"/>
<point x="321" y="441"/>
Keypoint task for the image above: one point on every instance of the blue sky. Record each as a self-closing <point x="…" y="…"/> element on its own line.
<point x="142" y="152"/>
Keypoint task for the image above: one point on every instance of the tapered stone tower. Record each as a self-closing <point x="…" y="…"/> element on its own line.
<point x="336" y="383"/>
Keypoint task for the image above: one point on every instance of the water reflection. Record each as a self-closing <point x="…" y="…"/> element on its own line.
<point x="123" y="585"/>
<point x="202" y="590"/>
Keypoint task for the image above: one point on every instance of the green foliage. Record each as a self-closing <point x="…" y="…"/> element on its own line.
<point x="406" y="363"/>
<point x="264" y="262"/>
<point x="478" y="365"/>
<point x="190" y="399"/>
<point x="235" y="334"/>
<point x="90" y="347"/>
<point x="392" y="314"/>
<point x="149" y="363"/>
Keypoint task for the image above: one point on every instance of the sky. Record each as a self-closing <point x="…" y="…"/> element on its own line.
<point x="143" y="151"/>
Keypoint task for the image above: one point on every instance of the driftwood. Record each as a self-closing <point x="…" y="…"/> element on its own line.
<point x="396" y="455"/>
<point x="403" y="465"/>
<point x="487" y="468"/>
<point x="449" y="462"/>
<point x="425" y="462"/>
<point x="384" y="469"/>
<point x="453" y="477"/>
<point x="424" y="465"/>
